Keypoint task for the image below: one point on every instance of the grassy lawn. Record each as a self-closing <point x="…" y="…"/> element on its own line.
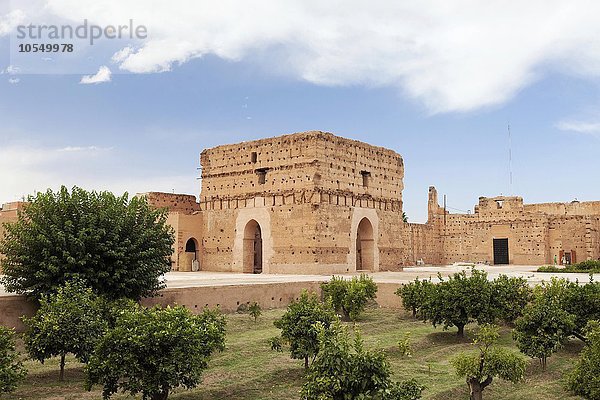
<point x="248" y="369"/>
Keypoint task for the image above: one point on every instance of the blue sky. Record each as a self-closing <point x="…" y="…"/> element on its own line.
<point x="141" y="130"/>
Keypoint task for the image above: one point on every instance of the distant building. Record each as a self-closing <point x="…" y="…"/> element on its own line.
<point x="315" y="203"/>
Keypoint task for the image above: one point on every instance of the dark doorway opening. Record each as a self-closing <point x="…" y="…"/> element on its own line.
<point x="501" y="251"/>
<point x="190" y="260"/>
<point x="365" y="251"/>
<point x="253" y="260"/>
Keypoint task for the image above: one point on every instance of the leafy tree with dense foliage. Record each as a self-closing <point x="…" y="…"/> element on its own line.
<point x="350" y="296"/>
<point x="583" y="302"/>
<point x="152" y="351"/>
<point x="345" y="369"/>
<point x="118" y="246"/>
<point x="414" y="294"/>
<point x="298" y="325"/>
<point x="545" y="325"/>
<point x="490" y="361"/>
<point x="510" y="295"/>
<point x="11" y="368"/>
<point x="68" y="321"/>
<point x="459" y="300"/>
<point x="585" y="378"/>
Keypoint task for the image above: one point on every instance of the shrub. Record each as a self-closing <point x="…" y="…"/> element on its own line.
<point x="583" y="302"/>
<point x="117" y="246"/>
<point x="350" y="296"/>
<point x="545" y="325"/>
<point x="345" y="369"/>
<point x="589" y="266"/>
<point x="585" y="378"/>
<point x="414" y="294"/>
<point x="298" y="325"/>
<point x="68" y="321"/>
<point x="151" y="351"/>
<point x="481" y="367"/>
<point x="510" y="296"/>
<point x="460" y="300"/>
<point x="11" y="369"/>
<point x="404" y="346"/>
<point x="255" y="311"/>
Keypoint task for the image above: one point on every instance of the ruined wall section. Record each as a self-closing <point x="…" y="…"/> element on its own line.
<point x="9" y="212"/>
<point x="187" y="222"/>
<point x="536" y="233"/>
<point x="350" y="166"/>
<point x="310" y="189"/>
<point x="183" y="203"/>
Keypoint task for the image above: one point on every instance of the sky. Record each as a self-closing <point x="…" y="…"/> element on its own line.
<point x="437" y="81"/>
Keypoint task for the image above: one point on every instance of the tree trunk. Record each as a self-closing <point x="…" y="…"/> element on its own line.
<point x="161" y="395"/>
<point x="477" y="387"/>
<point x="461" y="331"/>
<point x="414" y="310"/>
<point x="61" y="377"/>
<point x="345" y="315"/>
<point x="306" y="362"/>
<point x="544" y="359"/>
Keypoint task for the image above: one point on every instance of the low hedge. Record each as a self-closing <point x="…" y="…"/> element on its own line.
<point x="589" y="266"/>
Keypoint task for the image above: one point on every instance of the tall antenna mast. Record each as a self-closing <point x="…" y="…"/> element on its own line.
<point x="510" y="174"/>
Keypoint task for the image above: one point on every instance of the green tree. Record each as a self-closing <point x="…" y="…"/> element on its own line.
<point x="152" y="351"/>
<point x="585" y="378"/>
<point x="510" y="295"/>
<point x="544" y="326"/>
<point x="255" y="311"/>
<point x="460" y="300"/>
<point x="345" y="369"/>
<point x="490" y="361"/>
<point x="350" y="296"/>
<point x="68" y="321"/>
<point x="583" y="302"/>
<point x="11" y="369"/>
<point x="298" y="325"/>
<point x="118" y="246"/>
<point x="414" y="294"/>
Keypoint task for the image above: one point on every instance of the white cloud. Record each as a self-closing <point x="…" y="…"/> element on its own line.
<point x="122" y="54"/>
<point x="449" y="55"/>
<point x="14" y="81"/>
<point x="84" y="149"/>
<point x="10" y="21"/>
<point x="103" y="75"/>
<point x="27" y="168"/>
<point x="585" y="127"/>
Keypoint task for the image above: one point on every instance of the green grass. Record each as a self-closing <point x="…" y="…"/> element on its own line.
<point x="248" y="369"/>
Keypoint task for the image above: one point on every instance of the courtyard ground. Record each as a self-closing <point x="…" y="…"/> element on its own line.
<point x="249" y="369"/>
<point x="207" y="278"/>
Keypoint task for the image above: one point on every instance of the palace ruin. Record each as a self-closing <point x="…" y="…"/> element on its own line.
<point x="316" y="203"/>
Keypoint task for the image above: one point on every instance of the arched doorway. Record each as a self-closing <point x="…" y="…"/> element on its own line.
<point x="365" y="246"/>
<point x="253" y="249"/>
<point x="190" y="259"/>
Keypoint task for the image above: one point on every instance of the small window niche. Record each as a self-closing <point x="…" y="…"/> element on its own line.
<point x="366" y="176"/>
<point x="253" y="157"/>
<point x="262" y="175"/>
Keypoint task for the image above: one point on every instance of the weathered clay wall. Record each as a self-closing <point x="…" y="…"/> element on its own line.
<point x="9" y="213"/>
<point x="187" y="222"/>
<point x="309" y="193"/>
<point x="536" y="233"/>
<point x="227" y="298"/>
<point x="184" y="203"/>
